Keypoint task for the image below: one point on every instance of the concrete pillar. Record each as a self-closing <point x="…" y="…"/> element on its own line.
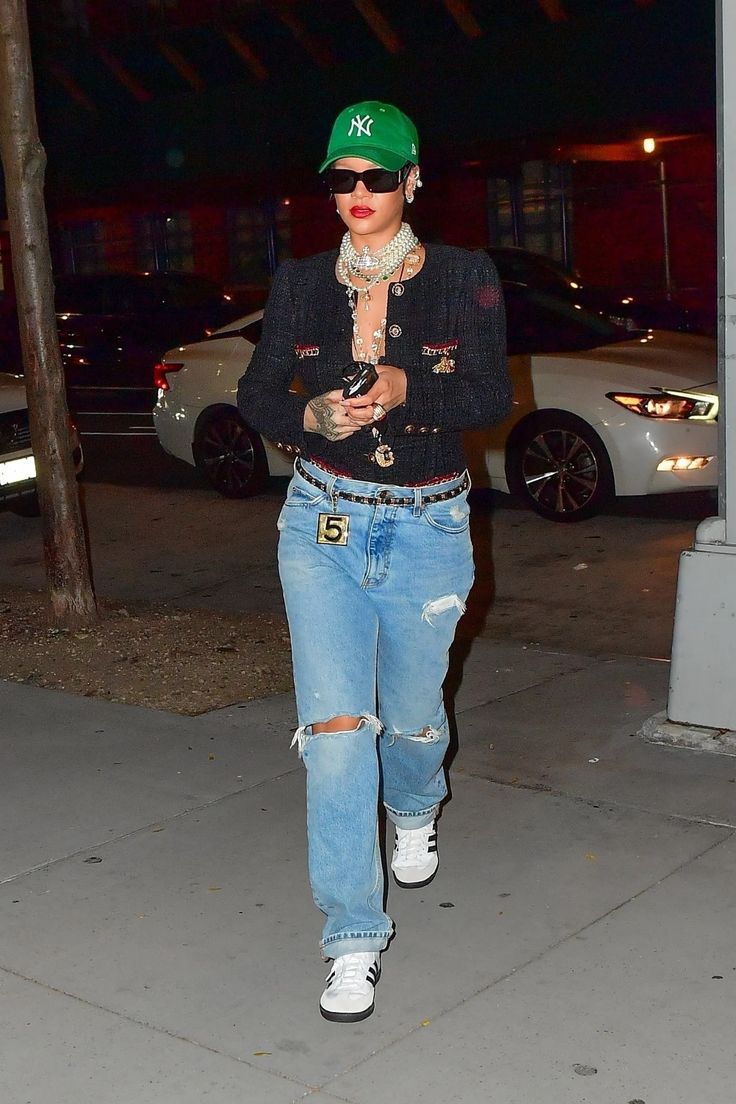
<point x="703" y="674"/>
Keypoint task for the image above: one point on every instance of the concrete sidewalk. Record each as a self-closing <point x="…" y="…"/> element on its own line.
<point x="159" y="944"/>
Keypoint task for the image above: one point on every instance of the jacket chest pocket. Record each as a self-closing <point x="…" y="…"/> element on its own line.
<point x="440" y="356"/>
<point x="319" y="366"/>
<point x="306" y="351"/>
<point x="308" y="360"/>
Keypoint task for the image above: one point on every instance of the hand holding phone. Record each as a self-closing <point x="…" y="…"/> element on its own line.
<point x="358" y="378"/>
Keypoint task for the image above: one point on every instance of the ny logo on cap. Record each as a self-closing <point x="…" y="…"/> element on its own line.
<point x="361" y="126"/>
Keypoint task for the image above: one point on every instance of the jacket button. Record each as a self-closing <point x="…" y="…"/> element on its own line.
<point x="394" y="331"/>
<point x="397" y="289"/>
<point x="409" y="429"/>
<point x="435" y="429"/>
<point x="423" y="429"/>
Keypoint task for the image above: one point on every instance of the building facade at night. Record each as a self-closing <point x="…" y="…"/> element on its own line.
<point x="184" y="135"/>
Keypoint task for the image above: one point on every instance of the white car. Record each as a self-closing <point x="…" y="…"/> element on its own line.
<point x="597" y="411"/>
<point x="17" y="463"/>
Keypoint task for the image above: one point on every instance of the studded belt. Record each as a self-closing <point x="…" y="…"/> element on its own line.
<point x="383" y="498"/>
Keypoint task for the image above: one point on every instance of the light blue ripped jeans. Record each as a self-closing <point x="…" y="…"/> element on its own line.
<point x="371" y="625"/>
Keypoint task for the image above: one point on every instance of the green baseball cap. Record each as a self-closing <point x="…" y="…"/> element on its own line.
<point x="378" y="132"/>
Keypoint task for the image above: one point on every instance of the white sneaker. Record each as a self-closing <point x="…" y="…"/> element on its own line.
<point x="415" y="859"/>
<point x="349" y="993"/>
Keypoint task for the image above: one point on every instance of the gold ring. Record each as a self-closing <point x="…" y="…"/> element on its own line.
<point x="379" y="412"/>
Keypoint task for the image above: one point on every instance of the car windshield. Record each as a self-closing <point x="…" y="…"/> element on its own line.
<point x="189" y="291"/>
<point x="516" y="266"/>
<point x="541" y="323"/>
<point x="135" y="293"/>
<point x="75" y="295"/>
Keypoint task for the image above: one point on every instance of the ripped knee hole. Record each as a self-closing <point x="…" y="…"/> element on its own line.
<point x="335" y="726"/>
<point x="344" y="722"/>
<point x="428" y="735"/>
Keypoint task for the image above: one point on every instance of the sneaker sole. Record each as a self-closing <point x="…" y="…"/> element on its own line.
<point x="347" y="1017"/>
<point x="415" y="885"/>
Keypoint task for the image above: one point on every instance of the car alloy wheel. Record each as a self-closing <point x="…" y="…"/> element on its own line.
<point x="560" y="466"/>
<point x="229" y="454"/>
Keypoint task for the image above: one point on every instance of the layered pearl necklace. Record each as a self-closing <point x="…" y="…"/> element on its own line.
<point x="373" y="268"/>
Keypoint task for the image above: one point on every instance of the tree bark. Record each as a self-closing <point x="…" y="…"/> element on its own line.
<point x="24" y="163"/>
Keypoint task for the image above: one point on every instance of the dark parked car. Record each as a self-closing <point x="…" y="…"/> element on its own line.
<point x="632" y="309"/>
<point x="113" y="328"/>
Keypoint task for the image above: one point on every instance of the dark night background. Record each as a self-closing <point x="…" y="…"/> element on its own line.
<point x="596" y="70"/>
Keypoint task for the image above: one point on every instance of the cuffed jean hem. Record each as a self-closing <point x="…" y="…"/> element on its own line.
<point x="412" y="820"/>
<point x="355" y="943"/>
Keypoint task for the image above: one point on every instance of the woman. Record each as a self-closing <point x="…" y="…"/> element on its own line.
<point x="374" y="551"/>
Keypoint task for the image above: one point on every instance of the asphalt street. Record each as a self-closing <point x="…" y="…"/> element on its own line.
<point x="157" y="532"/>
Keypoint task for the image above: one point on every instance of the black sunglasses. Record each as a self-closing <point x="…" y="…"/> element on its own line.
<point x="344" y="181"/>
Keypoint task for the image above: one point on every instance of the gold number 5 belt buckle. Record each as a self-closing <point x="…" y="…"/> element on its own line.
<point x="333" y="528"/>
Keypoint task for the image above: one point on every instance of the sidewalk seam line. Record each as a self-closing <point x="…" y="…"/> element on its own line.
<point x="144" y="1024"/>
<point x="532" y="686"/>
<point x="47" y="864"/>
<point x="537" y="957"/>
<point x="543" y="790"/>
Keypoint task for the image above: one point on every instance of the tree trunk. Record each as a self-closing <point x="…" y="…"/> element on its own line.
<point x="24" y="163"/>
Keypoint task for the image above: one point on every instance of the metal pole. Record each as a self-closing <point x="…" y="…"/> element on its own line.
<point x="517" y="208"/>
<point x="665" y="228"/>
<point x="726" y="163"/>
<point x="564" y="218"/>
<point x="704" y="641"/>
<point x="272" y="246"/>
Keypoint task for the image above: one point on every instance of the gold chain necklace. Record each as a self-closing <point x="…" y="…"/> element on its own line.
<point x="382" y="454"/>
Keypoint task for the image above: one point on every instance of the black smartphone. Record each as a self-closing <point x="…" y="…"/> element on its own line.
<point x="358" y="378"/>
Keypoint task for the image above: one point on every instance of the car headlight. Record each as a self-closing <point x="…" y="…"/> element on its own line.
<point x="668" y="404"/>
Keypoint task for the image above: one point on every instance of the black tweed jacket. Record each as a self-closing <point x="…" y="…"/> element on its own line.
<point x="445" y="327"/>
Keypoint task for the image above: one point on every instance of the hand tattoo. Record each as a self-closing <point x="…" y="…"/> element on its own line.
<point x="324" y="415"/>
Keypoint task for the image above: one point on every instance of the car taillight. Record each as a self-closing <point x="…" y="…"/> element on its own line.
<point x="161" y="371"/>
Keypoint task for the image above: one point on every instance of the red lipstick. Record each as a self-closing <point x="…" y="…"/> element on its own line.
<point x="361" y="212"/>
